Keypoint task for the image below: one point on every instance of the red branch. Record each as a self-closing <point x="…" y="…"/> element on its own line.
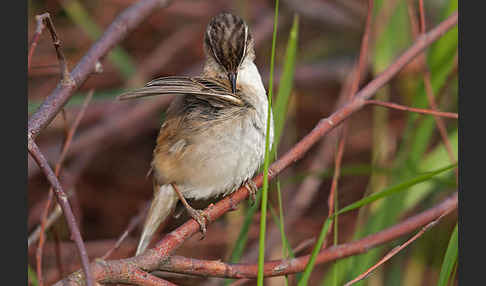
<point x="412" y="109"/>
<point x="217" y="268"/>
<point x="115" y="270"/>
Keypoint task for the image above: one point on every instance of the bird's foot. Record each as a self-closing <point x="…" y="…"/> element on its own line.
<point x="201" y="218"/>
<point x="252" y="189"/>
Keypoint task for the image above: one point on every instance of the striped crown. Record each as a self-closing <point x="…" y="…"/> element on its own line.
<point x="228" y="40"/>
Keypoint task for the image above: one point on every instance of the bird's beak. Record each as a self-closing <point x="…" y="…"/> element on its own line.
<point x="232" y="79"/>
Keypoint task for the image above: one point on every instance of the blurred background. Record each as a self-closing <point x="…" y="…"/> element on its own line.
<point x="106" y="166"/>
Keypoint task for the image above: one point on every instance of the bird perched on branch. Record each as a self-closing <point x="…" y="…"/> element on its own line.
<point x="213" y="138"/>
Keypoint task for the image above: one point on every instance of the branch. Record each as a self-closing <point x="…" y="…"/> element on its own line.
<point x="152" y="258"/>
<point x="216" y="268"/>
<point x="121" y="26"/>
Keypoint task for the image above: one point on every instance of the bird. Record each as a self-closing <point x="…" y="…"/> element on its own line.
<point x="212" y="140"/>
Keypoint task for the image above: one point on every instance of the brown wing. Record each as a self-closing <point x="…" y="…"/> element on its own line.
<point x="203" y="88"/>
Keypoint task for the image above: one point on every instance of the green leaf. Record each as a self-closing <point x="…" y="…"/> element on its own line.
<point x="450" y="258"/>
<point x="266" y="163"/>
<point x="32" y="276"/>
<point x="394" y="189"/>
<point x="312" y="260"/>
<point x="118" y="56"/>
<point x="286" y="83"/>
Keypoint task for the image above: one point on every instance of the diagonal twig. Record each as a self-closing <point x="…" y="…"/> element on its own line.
<point x="393" y="252"/>
<point x="412" y="109"/>
<point x="131" y="226"/>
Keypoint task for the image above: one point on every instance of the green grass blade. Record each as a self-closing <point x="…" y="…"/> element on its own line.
<point x="32" y="276"/>
<point x="312" y="260"/>
<point x="286" y="83"/>
<point x="279" y="111"/>
<point x="394" y="189"/>
<point x="118" y="56"/>
<point x="266" y="164"/>
<point x="450" y="259"/>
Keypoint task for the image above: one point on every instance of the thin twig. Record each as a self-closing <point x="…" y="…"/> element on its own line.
<point x="430" y="93"/>
<point x="152" y="258"/>
<point x="412" y="109"/>
<point x="57" y="250"/>
<point x="35" y="38"/>
<point x="66" y="208"/>
<point x="67" y="144"/>
<point x="143" y="278"/>
<point x="35" y="235"/>
<point x="358" y="71"/>
<point x="66" y="78"/>
<point x="131" y="226"/>
<point x="393" y="252"/>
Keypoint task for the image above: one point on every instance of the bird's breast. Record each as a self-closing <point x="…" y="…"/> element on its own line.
<point x="223" y="158"/>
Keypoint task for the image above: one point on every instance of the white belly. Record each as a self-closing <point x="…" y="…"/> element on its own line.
<point x="226" y="161"/>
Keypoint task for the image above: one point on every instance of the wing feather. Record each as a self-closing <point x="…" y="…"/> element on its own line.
<point x="203" y="88"/>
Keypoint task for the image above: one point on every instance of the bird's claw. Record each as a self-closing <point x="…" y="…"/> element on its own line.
<point x="201" y="218"/>
<point x="252" y="189"/>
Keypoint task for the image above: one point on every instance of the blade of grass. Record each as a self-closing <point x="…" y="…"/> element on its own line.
<point x="118" y="56"/>
<point x="435" y="158"/>
<point x="266" y="164"/>
<point x="32" y="276"/>
<point x="394" y="189"/>
<point x="450" y="259"/>
<point x="286" y="83"/>
<point x="312" y="260"/>
<point x="279" y="111"/>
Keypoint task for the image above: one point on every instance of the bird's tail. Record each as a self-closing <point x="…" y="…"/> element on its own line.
<point x="164" y="201"/>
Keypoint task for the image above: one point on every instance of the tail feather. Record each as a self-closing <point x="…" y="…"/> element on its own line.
<point x="164" y="201"/>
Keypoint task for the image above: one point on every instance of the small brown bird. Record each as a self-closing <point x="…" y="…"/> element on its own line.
<point x="213" y="138"/>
